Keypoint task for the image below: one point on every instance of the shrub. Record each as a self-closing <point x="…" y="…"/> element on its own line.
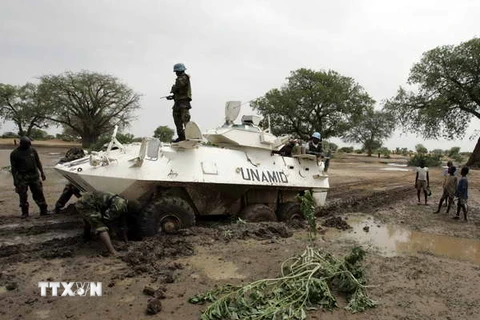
<point x="38" y="134"/>
<point x="431" y="160"/>
<point x="453" y="152"/>
<point x="384" y="152"/>
<point x="420" y="148"/>
<point x="9" y="134"/>
<point x="458" y="158"/>
<point x="346" y="149"/>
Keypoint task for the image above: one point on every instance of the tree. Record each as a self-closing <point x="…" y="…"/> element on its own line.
<point x="437" y="152"/>
<point x="384" y="151"/>
<point x="90" y="103"/>
<point x="38" y="134"/>
<point x="164" y="133"/>
<point x="447" y="95"/>
<point x="310" y="101"/>
<point x="370" y="129"/>
<point x="23" y="106"/>
<point x="420" y="148"/>
<point x="125" y="138"/>
<point x="453" y="152"/>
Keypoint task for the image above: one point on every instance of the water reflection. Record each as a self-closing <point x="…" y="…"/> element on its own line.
<point x="392" y="240"/>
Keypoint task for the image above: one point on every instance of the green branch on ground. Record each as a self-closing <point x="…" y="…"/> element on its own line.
<point x="306" y="283"/>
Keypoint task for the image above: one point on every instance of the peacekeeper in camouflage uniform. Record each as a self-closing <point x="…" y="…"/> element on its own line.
<point x="69" y="190"/>
<point x="26" y="167"/>
<point x="101" y="210"/>
<point x="182" y="95"/>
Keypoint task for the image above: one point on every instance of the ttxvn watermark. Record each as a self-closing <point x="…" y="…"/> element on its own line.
<point x="70" y="289"/>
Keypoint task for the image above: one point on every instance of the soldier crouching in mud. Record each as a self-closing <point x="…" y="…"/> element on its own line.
<point x="26" y="167"/>
<point x="101" y="211"/>
<point x="69" y="190"/>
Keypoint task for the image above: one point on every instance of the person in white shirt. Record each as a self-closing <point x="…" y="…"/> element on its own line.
<point x="422" y="181"/>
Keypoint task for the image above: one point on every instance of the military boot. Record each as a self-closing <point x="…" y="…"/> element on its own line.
<point x="44" y="211"/>
<point x="24" y="212"/>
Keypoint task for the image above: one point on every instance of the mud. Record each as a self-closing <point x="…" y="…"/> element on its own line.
<point x="365" y="200"/>
<point x="336" y="222"/>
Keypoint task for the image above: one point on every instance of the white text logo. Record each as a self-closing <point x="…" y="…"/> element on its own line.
<point x="71" y="289"/>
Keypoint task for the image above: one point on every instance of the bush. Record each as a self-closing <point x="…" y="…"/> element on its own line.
<point x="453" y="152"/>
<point x="458" y="158"/>
<point x="384" y="152"/>
<point x="38" y="134"/>
<point x="420" y="148"/>
<point x="9" y="134"/>
<point x="66" y="137"/>
<point x="359" y="151"/>
<point x="430" y="160"/>
<point x="346" y="149"/>
<point x="125" y="138"/>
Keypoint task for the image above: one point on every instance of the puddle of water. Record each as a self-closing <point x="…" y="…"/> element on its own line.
<point x="394" y="169"/>
<point x="397" y="164"/>
<point x="392" y="240"/>
<point x="213" y="267"/>
<point x="38" y="238"/>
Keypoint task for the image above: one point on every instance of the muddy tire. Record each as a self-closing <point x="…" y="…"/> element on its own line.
<point x="257" y="213"/>
<point x="289" y="211"/>
<point x="167" y="214"/>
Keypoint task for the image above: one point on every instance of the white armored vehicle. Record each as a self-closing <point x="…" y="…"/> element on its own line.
<point x="227" y="170"/>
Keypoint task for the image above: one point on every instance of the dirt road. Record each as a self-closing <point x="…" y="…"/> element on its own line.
<point x="423" y="266"/>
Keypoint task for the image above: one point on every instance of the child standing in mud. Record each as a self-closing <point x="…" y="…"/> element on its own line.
<point x="422" y="181"/>
<point x="449" y="189"/>
<point x="462" y="194"/>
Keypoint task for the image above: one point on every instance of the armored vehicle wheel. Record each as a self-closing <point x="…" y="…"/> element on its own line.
<point x="257" y="212"/>
<point x="167" y="214"/>
<point x="289" y="211"/>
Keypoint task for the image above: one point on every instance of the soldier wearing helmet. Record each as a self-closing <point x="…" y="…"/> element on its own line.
<point x="182" y="95"/>
<point x="26" y="167"/>
<point x="314" y="146"/>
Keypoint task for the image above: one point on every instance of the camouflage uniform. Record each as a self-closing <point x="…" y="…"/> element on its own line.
<point x="100" y="209"/>
<point x="69" y="190"/>
<point x="182" y="95"/>
<point x="26" y="165"/>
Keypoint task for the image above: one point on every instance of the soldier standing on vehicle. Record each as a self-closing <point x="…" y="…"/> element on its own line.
<point x="182" y="95"/>
<point x="69" y="190"/>
<point x="26" y="167"/>
<point x="100" y="210"/>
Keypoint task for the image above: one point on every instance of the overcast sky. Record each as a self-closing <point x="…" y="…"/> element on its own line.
<point x="234" y="50"/>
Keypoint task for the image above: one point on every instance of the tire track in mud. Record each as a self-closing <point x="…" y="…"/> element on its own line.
<point x="57" y="239"/>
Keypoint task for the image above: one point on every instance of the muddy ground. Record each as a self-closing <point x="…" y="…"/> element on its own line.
<point x="422" y="265"/>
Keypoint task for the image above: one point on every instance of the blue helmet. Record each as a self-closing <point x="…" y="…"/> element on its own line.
<point x="316" y="135"/>
<point x="179" y="67"/>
